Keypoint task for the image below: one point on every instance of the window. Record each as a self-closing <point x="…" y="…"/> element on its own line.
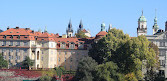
<point x="42" y="44"/>
<point x="62" y="45"/>
<point x="3" y="50"/>
<point x="162" y="62"/>
<point x="162" y="53"/>
<point x="17" y="50"/>
<point x="42" y="58"/>
<point x="59" y="59"/>
<point x="25" y="43"/>
<point x="18" y="43"/>
<point x="42" y="51"/>
<point x="4" y="43"/>
<point x="70" y="66"/>
<point x="71" y="59"/>
<point x="65" y="59"/>
<point x="64" y="66"/>
<point x="162" y="43"/>
<point x="11" y="43"/>
<point x="11" y="50"/>
<point x="72" y="45"/>
<point x="38" y="55"/>
<point x="80" y="45"/>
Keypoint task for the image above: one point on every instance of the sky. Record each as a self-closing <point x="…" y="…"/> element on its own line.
<point x="55" y="14"/>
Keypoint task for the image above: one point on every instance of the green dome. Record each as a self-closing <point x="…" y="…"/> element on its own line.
<point x="103" y="25"/>
<point x="142" y="18"/>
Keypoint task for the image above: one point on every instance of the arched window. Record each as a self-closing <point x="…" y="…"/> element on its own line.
<point x="38" y="55"/>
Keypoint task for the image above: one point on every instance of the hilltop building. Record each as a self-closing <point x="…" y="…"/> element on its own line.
<point x="47" y="50"/>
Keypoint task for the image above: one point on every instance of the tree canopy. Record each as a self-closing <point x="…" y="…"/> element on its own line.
<point x="81" y="34"/>
<point x="27" y="62"/>
<point x="132" y="55"/>
<point x="3" y="63"/>
<point x="86" y="69"/>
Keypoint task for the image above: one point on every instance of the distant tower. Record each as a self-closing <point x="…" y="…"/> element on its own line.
<point x="45" y="31"/>
<point x="142" y="25"/>
<point x="155" y="26"/>
<point x="110" y="27"/>
<point x="39" y="30"/>
<point x="80" y="27"/>
<point x="166" y="26"/>
<point x="103" y="27"/>
<point x="69" y="30"/>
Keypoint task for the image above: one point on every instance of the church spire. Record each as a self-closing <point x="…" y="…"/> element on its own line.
<point x="69" y="30"/>
<point x="39" y="30"/>
<point x="81" y="25"/>
<point x="155" y="26"/>
<point x="142" y="12"/>
<point x="45" y="29"/>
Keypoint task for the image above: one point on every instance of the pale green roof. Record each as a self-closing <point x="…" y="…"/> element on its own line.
<point x="142" y="18"/>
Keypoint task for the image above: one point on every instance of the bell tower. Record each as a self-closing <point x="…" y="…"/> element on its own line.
<point x="155" y="26"/>
<point x="69" y="30"/>
<point x="142" y="25"/>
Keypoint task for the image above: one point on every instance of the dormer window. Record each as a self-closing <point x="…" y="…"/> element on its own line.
<point x="63" y="45"/>
<point x="11" y="37"/>
<point x="18" y="37"/>
<point x="72" y="45"/>
<point x="80" y="45"/>
<point x="4" y="37"/>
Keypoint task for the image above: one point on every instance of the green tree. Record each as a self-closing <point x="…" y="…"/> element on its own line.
<point x="59" y="71"/>
<point x="81" y="34"/>
<point x="27" y="63"/>
<point x="45" y="78"/>
<point x="130" y="54"/>
<point x="103" y="49"/>
<point x="152" y="70"/>
<point x="108" y="72"/>
<point x="3" y="63"/>
<point x="86" y="69"/>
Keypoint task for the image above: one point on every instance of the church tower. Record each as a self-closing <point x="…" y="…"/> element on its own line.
<point x="155" y="26"/>
<point x="142" y="25"/>
<point x="103" y="27"/>
<point x="69" y="30"/>
<point x="80" y="27"/>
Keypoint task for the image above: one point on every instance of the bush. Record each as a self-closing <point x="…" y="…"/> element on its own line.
<point x="45" y="78"/>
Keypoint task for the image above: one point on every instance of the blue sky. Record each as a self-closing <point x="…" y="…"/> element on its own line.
<point x="55" y="14"/>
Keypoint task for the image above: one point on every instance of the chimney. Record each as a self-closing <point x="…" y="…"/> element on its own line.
<point x="8" y="28"/>
<point x="17" y="27"/>
<point x="33" y="31"/>
<point x="166" y="26"/>
<point x="27" y="28"/>
<point x="64" y="36"/>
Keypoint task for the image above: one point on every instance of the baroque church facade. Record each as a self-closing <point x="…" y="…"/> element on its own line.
<point x="159" y="38"/>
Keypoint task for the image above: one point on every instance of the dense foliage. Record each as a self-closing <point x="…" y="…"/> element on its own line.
<point x="86" y="69"/>
<point x="27" y="63"/>
<point x="132" y="56"/>
<point x="81" y="34"/>
<point x="45" y="78"/>
<point x="3" y="63"/>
